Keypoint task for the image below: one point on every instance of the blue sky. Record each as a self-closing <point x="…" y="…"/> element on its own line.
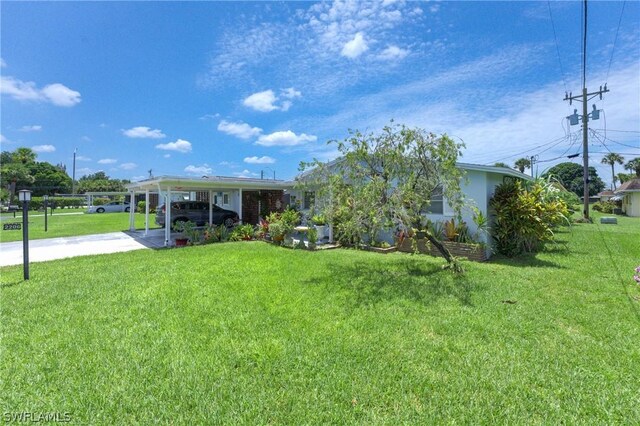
<point x="194" y="88"/>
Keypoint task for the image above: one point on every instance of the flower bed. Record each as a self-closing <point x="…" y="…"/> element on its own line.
<point x="473" y="252"/>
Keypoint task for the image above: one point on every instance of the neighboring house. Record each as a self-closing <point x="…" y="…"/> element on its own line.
<point x="630" y="193"/>
<point x="478" y="187"/>
<point x="606" y="195"/>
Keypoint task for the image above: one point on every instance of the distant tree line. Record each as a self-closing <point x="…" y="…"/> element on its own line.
<point x="19" y="169"/>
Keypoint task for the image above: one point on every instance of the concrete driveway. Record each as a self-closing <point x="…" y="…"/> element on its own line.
<point x="59" y="248"/>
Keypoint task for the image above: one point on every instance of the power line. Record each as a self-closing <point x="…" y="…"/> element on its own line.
<point x="616" y="142"/>
<point x="584" y="48"/>
<point x="557" y="141"/>
<point x="613" y="49"/>
<point x="555" y="38"/>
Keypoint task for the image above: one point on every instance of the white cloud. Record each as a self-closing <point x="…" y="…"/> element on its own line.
<point x="267" y="100"/>
<point x="285" y="138"/>
<point x="355" y="47"/>
<point x="240" y="130"/>
<point x="128" y="166"/>
<point x="209" y="116"/>
<point x="57" y="94"/>
<point x="393" y="53"/>
<point x="3" y="139"/>
<point x="60" y="95"/>
<point x="261" y="101"/>
<point x="143" y="132"/>
<point x="85" y="139"/>
<point x="180" y="146"/>
<point x="3" y="64"/>
<point x="34" y="128"/>
<point x="43" y="148"/>
<point x="291" y="93"/>
<point x="259" y="160"/>
<point x="82" y="158"/>
<point x="434" y="8"/>
<point x="167" y="156"/>
<point x="198" y="170"/>
<point x="245" y="174"/>
<point x="107" y="161"/>
<point x="83" y="171"/>
<point x="138" y="178"/>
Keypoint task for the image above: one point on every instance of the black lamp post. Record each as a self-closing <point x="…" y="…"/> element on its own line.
<point x="24" y="195"/>
<point x="46" y="204"/>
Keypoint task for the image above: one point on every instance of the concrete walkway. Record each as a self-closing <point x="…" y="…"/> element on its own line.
<point x="60" y="248"/>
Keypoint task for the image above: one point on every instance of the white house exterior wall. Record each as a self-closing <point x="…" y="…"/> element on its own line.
<point x="631" y="204"/>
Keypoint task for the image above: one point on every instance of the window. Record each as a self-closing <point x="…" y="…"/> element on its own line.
<point x="437" y="202"/>
<point x="309" y="199"/>
<point x="225" y="199"/>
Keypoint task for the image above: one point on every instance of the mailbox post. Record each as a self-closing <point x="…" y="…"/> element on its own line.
<point x="24" y="195"/>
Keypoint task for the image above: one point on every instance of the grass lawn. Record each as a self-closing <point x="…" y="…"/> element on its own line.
<point x="62" y="224"/>
<point x="251" y="333"/>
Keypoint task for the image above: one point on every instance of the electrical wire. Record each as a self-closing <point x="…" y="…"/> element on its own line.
<point x="556" y="141"/>
<point x="613" y="49"/>
<point x="555" y="38"/>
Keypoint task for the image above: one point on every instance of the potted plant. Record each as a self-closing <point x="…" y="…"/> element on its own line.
<point x="320" y="223"/>
<point x="188" y="232"/>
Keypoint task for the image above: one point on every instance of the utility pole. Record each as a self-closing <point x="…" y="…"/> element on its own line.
<point x="585" y="97"/>
<point x="532" y="161"/>
<point x="595" y="114"/>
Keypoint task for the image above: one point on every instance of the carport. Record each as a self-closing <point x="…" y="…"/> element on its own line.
<point x="235" y="193"/>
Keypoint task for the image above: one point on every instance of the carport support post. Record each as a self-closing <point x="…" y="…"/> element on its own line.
<point x="146" y="212"/>
<point x="240" y="204"/>
<point x="132" y="211"/>
<point x="210" y="207"/>
<point x="167" y="218"/>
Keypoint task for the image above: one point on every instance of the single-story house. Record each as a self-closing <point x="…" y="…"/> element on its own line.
<point x="606" y="195"/>
<point x="630" y="193"/>
<point x="478" y="187"/>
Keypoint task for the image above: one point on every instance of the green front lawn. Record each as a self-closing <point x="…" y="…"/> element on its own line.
<point x="69" y="225"/>
<point x="252" y="333"/>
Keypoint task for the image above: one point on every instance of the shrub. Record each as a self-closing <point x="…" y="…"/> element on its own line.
<point x="604" y="206"/>
<point x="318" y="220"/>
<point x="524" y="218"/>
<point x="100" y="201"/>
<point x="242" y="232"/>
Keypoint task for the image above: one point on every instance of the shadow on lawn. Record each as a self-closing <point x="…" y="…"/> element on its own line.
<point x="372" y="283"/>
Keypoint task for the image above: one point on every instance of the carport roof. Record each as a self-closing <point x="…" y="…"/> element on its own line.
<point x="181" y="183"/>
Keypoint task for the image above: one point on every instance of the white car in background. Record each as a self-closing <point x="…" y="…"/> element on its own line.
<point x="114" y="206"/>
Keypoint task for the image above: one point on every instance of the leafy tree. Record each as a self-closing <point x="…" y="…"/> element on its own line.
<point x="100" y="182"/>
<point x="570" y="176"/>
<point x="611" y="159"/>
<point x="522" y="163"/>
<point x="386" y="180"/>
<point x="15" y="176"/>
<point x="633" y="166"/>
<point x="499" y="164"/>
<point x="49" y="179"/>
<point x="623" y="177"/>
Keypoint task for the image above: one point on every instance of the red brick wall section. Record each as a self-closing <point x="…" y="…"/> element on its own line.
<point x="265" y="200"/>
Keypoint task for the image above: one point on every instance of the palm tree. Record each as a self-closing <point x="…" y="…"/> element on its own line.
<point x="24" y="155"/>
<point x="522" y="163"/>
<point x="633" y="166"/>
<point x="611" y="159"/>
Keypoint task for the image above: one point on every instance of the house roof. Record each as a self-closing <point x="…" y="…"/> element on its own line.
<point x="632" y="185"/>
<point x="465" y="166"/>
<point x="182" y="183"/>
<point x="606" y="192"/>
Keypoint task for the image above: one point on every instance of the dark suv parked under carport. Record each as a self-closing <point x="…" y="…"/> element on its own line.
<point x="198" y="212"/>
